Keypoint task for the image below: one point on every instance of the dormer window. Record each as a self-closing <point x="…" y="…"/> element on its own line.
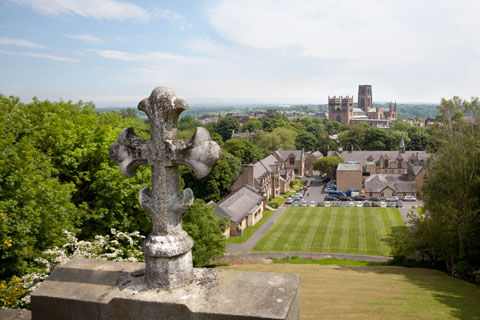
<point x="292" y="160"/>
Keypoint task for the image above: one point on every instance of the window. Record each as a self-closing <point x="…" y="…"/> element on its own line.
<point x="292" y="160"/>
<point x="386" y="163"/>
<point x="381" y="194"/>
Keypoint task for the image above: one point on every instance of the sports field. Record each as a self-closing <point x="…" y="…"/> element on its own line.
<point x="346" y="292"/>
<point x="332" y="230"/>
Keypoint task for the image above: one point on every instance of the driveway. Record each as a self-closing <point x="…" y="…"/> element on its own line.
<point x="236" y="248"/>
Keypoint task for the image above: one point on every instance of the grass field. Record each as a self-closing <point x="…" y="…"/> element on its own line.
<point x="346" y="292"/>
<point x="333" y="230"/>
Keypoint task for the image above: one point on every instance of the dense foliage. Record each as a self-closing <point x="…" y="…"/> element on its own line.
<point x="448" y="229"/>
<point x="56" y="174"/>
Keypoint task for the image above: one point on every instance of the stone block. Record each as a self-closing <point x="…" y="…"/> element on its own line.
<point x="85" y="289"/>
<point x="15" y="314"/>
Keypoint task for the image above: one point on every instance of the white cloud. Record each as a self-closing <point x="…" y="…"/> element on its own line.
<point x="416" y="50"/>
<point x="98" y="9"/>
<point x="39" y="55"/>
<point x="85" y="37"/>
<point x="174" y="17"/>
<point x="20" y="43"/>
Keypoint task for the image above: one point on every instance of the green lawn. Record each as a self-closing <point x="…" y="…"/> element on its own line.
<point x="251" y="230"/>
<point x="350" y="292"/>
<point x="276" y="202"/>
<point x="333" y="230"/>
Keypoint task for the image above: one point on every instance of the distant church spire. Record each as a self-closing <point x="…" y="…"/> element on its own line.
<point x="402" y="146"/>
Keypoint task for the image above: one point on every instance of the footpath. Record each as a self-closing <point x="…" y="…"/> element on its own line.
<point x="236" y="248"/>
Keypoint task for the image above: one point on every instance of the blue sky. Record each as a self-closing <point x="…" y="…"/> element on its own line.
<point x="251" y="51"/>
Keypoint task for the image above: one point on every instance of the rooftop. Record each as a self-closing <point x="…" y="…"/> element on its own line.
<point x="239" y="204"/>
<point x="349" y="166"/>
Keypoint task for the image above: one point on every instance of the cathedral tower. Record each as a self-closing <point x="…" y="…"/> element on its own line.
<point x="365" y="97"/>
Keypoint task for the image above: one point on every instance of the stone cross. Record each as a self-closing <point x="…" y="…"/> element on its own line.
<point x="168" y="255"/>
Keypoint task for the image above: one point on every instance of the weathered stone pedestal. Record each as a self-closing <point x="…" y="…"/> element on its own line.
<point x="90" y="289"/>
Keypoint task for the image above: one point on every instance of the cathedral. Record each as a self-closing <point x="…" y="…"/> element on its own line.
<point x="341" y="109"/>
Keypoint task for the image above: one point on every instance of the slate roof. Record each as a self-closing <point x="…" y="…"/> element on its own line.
<point x="285" y="153"/>
<point x="397" y="182"/>
<point x="317" y="154"/>
<point x="349" y="166"/>
<point x="364" y="156"/>
<point x="239" y="204"/>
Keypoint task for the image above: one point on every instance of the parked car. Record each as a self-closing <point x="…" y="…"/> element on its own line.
<point x="289" y="200"/>
<point x="399" y="204"/>
<point x="326" y="179"/>
<point x="349" y="191"/>
<point x="390" y="204"/>
<point x="383" y="204"/>
<point x="392" y="199"/>
<point x="295" y="203"/>
<point x="330" y="198"/>
<point x="375" y="204"/>
<point x="312" y="203"/>
<point x="326" y="203"/>
<point x="304" y="203"/>
<point x="374" y="199"/>
<point x="296" y="197"/>
<point x="359" y="204"/>
<point x="343" y="204"/>
<point x="366" y="204"/>
<point x="342" y="198"/>
<point x="358" y="198"/>
<point x="409" y="198"/>
<point x="300" y="195"/>
<point x="351" y="204"/>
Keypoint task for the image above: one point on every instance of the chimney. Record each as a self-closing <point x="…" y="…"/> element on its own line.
<point x="255" y="160"/>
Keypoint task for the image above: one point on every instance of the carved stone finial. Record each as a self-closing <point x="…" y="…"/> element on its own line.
<point x="168" y="256"/>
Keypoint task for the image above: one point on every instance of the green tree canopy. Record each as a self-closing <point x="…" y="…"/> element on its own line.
<point x="225" y="126"/>
<point x="327" y="164"/>
<point x="252" y="125"/>
<point x="306" y="141"/>
<point x="243" y="149"/>
<point x="201" y="223"/>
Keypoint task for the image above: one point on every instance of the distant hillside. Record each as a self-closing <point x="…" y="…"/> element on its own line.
<point x="410" y="111"/>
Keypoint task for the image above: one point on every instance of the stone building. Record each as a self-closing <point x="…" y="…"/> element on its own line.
<point x="267" y="175"/>
<point x="292" y="159"/>
<point x="342" y="110"/>
<point x="402" y="171"/>
<point x="310" y="157"/>
<point x="244" y="208"/>
<point x="365" y="99"/>
<point x="349" y="176"/>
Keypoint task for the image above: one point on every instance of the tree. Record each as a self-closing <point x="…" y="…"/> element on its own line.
<point x="325" y="144"/>
<point x="243" y="149"/>
<point x="129" y="113"/>
<point x="201" y="223"/>
<point x="252" y="125"/>
<point x="225" y="126"/>
<point x="188" y="123"/>
<point x="448" y="230"/>
<point x="327" y="164"/>
<point x="217" y="183"/>
<point x="305" y="141"/>
<point x="333" y="127"/>
<point x="354" y="138"/>
<point x="375" y="139"/>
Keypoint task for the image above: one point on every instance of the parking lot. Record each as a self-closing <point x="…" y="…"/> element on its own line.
<point x="316" y="194"/>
